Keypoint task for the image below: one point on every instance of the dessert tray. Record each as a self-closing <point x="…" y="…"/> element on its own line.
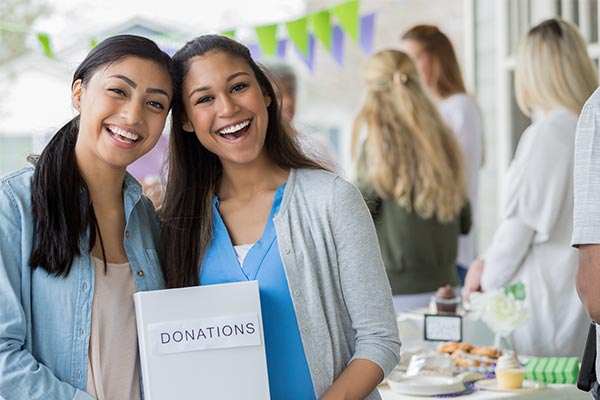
<point x="491" y="384"/>
<point x="425" y="385"/>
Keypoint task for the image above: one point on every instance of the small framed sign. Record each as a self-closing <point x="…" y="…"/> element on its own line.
<point x="447" y="328"/>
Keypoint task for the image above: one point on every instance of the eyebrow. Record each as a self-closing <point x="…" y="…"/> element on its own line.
<point x="126" y="79"/>
<point x="134" y="85"/>
<point x="230" y="78"/>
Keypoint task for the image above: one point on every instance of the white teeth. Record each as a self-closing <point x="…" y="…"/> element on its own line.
<point x="124" y="133"/>
<point x="234" y="128"/>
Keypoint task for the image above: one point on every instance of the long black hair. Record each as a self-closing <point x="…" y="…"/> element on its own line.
<point x="194" y="172"/>
<point x="62" y="210"/>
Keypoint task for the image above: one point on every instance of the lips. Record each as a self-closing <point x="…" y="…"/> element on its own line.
<point x="235" y="131"/>
<point x="122" y="135"/>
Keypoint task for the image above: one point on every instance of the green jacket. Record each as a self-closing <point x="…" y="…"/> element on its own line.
<point x="419" y="254"/>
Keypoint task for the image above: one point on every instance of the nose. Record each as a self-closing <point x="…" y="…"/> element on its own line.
<point x="227" y="106"/>
<point x="132" y="112"/>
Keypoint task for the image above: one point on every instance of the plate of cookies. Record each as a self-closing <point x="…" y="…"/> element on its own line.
<point x="468" y="357"/>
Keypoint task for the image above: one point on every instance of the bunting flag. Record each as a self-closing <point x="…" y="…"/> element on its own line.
<point x="44" y="39"/>
<point x="229" y="34"/>
<point x="337" y="45"/>
<point x="309" y="57"/>
<point x="282" y="48"/>
<point x="321" y="25"/>
<point x="367" y="32"/>
<point x="328" y="27"/>
<point x="298" y="34"/>
<point x="267" y="38"/>
<point x="255" y="52"/>
<point x="347" y="15"/>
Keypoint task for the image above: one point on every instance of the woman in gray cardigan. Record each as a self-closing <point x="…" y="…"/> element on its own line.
<point x="243" y="203"/>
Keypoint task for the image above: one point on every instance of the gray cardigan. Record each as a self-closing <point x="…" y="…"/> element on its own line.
<point x="338" y="284"/>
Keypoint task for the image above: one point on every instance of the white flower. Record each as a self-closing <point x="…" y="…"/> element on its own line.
<point x="500" y="311"/>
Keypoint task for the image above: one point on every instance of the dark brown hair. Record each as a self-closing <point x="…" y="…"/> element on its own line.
<point x="194" y="172"/>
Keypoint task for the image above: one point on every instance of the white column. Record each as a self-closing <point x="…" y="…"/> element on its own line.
<point x="568" y="10"/>
<point x="503" y="93"/>
<point x="585" y="19"/>
<point x="469" y="57"/>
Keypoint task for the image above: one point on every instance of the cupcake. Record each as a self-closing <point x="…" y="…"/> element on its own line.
<point x="446" y="300"/>
<point x="509" y="374"/>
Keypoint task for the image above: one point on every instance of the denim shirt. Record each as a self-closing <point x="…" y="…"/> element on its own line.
<point x="44" y="319"/>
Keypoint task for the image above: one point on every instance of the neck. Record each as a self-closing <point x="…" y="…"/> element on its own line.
<point x="246" y="180"/>
<point x="105" y="184"/>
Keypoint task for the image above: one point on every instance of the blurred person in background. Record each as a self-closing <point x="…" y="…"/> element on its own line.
<point x="409" y="169"/>
<point x="432" y="52"/>
<point x="285" y="82"/>
<point x="553" y="78"/>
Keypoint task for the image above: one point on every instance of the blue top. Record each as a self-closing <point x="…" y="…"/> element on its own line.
<point x="289" y="376"/>
<point x="45" y="320"/>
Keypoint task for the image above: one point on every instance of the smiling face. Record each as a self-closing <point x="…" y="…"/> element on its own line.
<point x="123" y="108"/>
<point x="226" y="107"/>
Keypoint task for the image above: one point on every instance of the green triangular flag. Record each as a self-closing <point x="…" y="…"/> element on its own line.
<point x="298" y="33"/>
<point x="229" y="34"/>
<point x="45" y="41"/>
<point x="321" y="24"/>
<point x="267" y="38"/>
<point x="347" y="14"/>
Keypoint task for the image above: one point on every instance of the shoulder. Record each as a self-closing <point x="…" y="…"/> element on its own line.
<point x="321" y="182"/>
<point x="459" y="102"/>
<point x="18" y="183"/>
<point x="460" y="109"/>
<point x="557" y="126"/>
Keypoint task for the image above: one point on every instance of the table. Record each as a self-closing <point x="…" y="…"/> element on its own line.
<point x="558" y="392"/>
<point x="410" y="326"/>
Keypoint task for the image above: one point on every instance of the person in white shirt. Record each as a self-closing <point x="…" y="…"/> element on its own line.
<point x="440" y="72"/>
<point x="554" y="76"/>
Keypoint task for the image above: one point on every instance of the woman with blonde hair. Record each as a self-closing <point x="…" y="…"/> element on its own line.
<point x="409" y="169"/>
<point x="432" y="52"/>
<point x="554" y="76"/>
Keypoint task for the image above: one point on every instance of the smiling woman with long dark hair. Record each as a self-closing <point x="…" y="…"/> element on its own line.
<point x="79" y="238"/>
<point x="243" y="203"/>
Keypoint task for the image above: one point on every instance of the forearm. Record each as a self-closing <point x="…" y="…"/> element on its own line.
<point x="588" y="276"/>
<point x="359" y="379"/>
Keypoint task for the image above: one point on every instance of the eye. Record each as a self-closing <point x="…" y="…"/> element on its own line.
<point x="204" y="99"/>
<point x="117" y="91"/>
<point x="239" y="86"/>
<point x="156" y="105"/>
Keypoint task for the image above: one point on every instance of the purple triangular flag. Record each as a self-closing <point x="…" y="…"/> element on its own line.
<point x="255" y="52"/>
<point x="281" y="48"/>
<point x="337" y="45"/>
<point x="309" y="58"/>
<point x="367" y="30"/>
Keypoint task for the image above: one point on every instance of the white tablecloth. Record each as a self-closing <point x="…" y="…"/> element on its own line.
<point x="558" y="392"/>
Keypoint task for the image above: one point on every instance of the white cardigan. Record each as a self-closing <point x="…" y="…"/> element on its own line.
<point x="531" y="244"/>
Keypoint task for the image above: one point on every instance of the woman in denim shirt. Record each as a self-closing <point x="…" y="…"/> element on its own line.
<point x="77" y="237"/>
